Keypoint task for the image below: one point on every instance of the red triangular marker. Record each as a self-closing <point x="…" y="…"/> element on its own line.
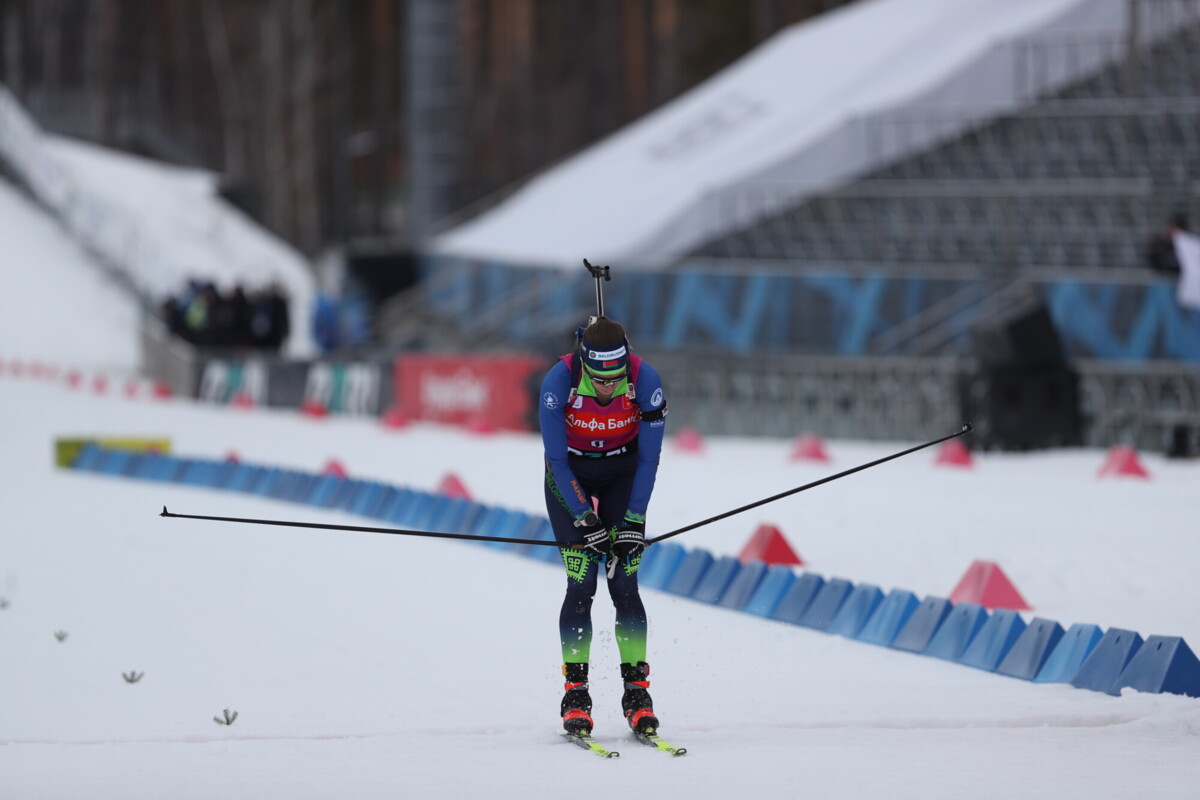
<point x="954" y="454"/>
<point x="1123" y="460"/>
<point x="481" y="425"/>
<point x="809" y="448"/>
<point x="314" y="409"/>
<point x="986" y="584"/>
<point x="394" y="418"/>
<point x="334" y="468"/>
<point x="769" y="546"/>
<point x="689" y="440"/>
<point x="451" y="486"/>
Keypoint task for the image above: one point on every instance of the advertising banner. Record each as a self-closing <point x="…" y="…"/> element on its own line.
<point x="495" y="391"/>
<point x="358" y="388"/>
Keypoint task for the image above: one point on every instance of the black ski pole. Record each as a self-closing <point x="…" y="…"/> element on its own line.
<point x="966" y="428"/>
<point x="365" y="529"/>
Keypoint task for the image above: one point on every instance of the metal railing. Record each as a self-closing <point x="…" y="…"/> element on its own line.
<point x="907" y="398"/>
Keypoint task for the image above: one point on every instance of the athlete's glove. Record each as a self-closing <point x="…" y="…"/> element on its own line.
<point x="629" y="544"/>
<point x="595" y="535"/>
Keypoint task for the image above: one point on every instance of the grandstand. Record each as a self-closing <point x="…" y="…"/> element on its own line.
<point x="855" y="309"/>
<point x="1075" y="181"/>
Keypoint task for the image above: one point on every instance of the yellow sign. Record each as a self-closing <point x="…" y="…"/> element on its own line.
<point x="66" y="451"/>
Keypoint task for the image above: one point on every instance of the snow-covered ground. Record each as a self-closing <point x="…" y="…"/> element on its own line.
<point x="369" y="666"/>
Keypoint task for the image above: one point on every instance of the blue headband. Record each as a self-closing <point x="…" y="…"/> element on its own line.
<point x="605" y="360"/>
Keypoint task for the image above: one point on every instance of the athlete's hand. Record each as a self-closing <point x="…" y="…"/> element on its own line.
<point x="595" y="535"/>
<point x="628" y="545"/>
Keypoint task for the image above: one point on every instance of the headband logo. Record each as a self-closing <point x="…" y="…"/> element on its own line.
<point x="606" y="355"/>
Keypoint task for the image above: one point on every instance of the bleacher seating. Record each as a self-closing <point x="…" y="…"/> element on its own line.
<point x="1078" y="180"/>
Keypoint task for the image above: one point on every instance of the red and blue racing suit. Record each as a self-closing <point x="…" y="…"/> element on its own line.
<point x="609" y="453"/>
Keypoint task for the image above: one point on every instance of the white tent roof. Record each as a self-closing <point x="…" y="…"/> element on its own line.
<point x="788" y="119"/>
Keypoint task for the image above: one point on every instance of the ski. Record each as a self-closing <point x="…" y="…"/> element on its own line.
<point x="586" y="741"/>
<point x="650" y="737"/>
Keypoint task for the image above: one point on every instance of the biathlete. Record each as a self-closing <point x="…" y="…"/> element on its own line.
<point x="602" y="417"/>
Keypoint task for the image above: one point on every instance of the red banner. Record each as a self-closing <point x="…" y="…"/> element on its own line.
<point x="483" y="391"/>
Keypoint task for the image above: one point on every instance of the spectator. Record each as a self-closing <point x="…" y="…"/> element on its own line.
<point x="325" y="322"/>
<point x="197" y="317"/>
<point x="1160" y="251"/>
<point x="240" y="316"/>
<point x="1187" y="255"/>
<point x="202" y="316"/>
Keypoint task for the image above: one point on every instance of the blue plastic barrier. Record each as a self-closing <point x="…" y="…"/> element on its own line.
<point x="1106" y="663"/>
<point x="798" y="598"/>
<point x="113" y="462"/>
<point x="825" y="606"/>
<point x="509" y="525"/>
<point x="293" y="486"/>
<point x="1032" y="649"/>
<point x="469" y="523"/>
<point x="892" y="614"/>
<point x="88" y="458"/>
<point x="454" y="516"/>
<point x="490" y="521"/>
<point x="711" y="588"/>
<point x="660" y="564"/>
<point x="277" y="487"/>
<point x="918" y="632"/>
<point x="219" y="473"/>
<point x="225" y="470"/>
<point x="386" y="499"/>
<point x="485" y="521"/>
<point x="267" y="480"/>
<point x="366" y="499"/>
<point x="1072" y="650"/>
<point x="415" y="510"/>
<point x="133" y="465"/>
<point x="349" y="489"/>
<point x="854" y="613"/>
<point x="744" y="584"/>
<point x="156" y="467"/>
<point x="689" y="573"/>
<point x="994" y="640"/>
<point x="323" y="491"/>
<point x="343" y="489"/>
<point x="771" y="590"/>
<point x="1162" y="664"/>
<point x="144" y="465"/>
<point x="216" y="474"/>
<point x="245" y="478"/>
<point x="299" y="490"/>
<point x="393" y="506"/>
<point x="433" y="514"/>
<point x="954" y="633"/>
<point x="545" y="533"/>
<point x="528" y="529"/>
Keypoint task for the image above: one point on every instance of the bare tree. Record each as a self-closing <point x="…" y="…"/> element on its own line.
<point x="216" y="35"/>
